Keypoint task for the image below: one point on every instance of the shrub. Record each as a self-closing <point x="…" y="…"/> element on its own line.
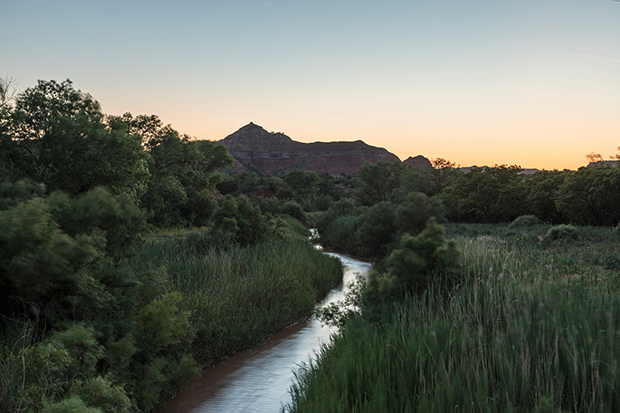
<point x="417" y="263"/>
<point x="525" y="221"/>
<point x="412" y="216"/>
<point x="562" y="232"/>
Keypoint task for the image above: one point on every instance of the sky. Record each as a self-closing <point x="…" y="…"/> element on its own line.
<point x="534" y="83"/>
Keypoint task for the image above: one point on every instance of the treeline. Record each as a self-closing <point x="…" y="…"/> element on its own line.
<point x="123" y="269"/>
<point x="387" y="200"/>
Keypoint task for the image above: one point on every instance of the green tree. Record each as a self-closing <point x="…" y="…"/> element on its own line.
<point x="376" y="230"/>
<point x="590" y="196"/>
<point x="57" y="136"/>
<point x="303" y="185"/>
<point x="442" y="174"/>
<point x="542" y="190"/>
<point x="378" y="181"/>
<point x="415" y="265"/>
<point x="487" y="194"/>
<point x="239" y="218"/>
<point x="412" y="215"/>
<point x="184" y="175"/>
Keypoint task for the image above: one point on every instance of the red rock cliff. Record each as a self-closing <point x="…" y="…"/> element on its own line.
<point x="269" y="153"/>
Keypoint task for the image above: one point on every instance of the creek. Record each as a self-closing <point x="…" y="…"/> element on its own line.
<point x="258" y="380"/>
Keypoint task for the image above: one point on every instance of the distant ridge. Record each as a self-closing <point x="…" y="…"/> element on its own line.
<point x="418" y="161"/>
<point x="273" y="153"/>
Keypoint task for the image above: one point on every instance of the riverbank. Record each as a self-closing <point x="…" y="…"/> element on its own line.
<point x="259" y="379"/>
<point x="532" y="327"/>
<point x="182" y="302"/>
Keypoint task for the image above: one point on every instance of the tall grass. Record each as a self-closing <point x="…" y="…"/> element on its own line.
<point x="238" y="296"/>
<point x="232" y="297"/>
<point x="517" y="336"/>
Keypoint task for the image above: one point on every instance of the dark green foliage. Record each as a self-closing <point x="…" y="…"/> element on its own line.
<point x="415" y="265"/>
<point x="184" y="176"/>
<point x="58" y="137"/>
<point x="487" y="195"/>
<point x="73" y="404"/>
<point x="542" y="190"/>
<point x="302" y="185"/>
<point x="13" y="193"/>
<point x="378" y="181"/>
<point x="590" y="196"/>
<point x="561" y="232"/>
<point x="242" y="220"/>
<point x="41" y="267"/>
<point x="375" y="230"/>
<point x="338" y="225"/>
<point x="117" y="217"/>
<point x="341" y="234"/>
<point x="162" y="364"/>
<point x="525" y="221"/>
<point x="414" y="179"/>
<point x="54" y="366"/>
<point x="414" y="213"/>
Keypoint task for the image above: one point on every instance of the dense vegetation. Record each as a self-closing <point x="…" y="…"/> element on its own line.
<point x="130" y="256"/>
<point x="519" y="325"/>
<point x="122" y="267"/>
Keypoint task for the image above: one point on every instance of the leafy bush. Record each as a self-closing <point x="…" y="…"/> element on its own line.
<point x="525" y="221"/>
<point x="412" y="216"/>
<point x="376" y="230"/>
<point x="562" y="232"/>
<point x="242" y="220"/>
<point x="417" y="263"/>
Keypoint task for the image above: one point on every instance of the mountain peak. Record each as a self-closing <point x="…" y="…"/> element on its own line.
<point x="267" y="153"/>
<point x="253" y="136"/>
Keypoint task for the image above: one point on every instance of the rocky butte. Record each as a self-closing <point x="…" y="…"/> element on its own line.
<point x="270" y="153"/>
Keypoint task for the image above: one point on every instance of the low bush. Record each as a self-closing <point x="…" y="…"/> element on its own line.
<point x="562" y="232"/>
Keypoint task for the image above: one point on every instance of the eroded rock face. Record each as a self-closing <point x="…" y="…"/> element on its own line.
<point x="269" y="153"/>
<point x="418" y="161"/>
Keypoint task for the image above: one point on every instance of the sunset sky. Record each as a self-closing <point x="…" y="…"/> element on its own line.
<point x="528" y="82"/>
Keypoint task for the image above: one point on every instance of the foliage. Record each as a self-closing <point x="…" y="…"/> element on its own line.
<point x="378" y="181"/>
<point x="525" y="221"/>
<point x="414" y="213"/>
<point x="117" y="216"/>
<point x="561" y="232"/>
<point x="184" y="174"/>
<point x="13" y="193"/>
<point x="57" y="136"/>
<point x="493" y="194"/>
<point x="519" y="334"/>
<point x="415" y="265"/>
<point x="162" y="363"/>
<point x="375" y="230"/>
<point x="242" y="220"/>
<point x="542" y="190"/>
<point x="302" y="184"/>
<point x="44" y="269"/>
<point x="590" y="196"/>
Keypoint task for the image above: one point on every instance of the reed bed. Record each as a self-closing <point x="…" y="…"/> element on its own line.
<point x="517" y="336"/>
<point x="238" y="296"/>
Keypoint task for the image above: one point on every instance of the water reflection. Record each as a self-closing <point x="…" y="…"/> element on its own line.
<point x="258" y="380"/>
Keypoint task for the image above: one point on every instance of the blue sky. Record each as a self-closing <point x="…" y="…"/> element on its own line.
<point x="534" y="83"/>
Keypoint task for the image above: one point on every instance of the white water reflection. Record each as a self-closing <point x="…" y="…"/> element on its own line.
<point x="259" y="380"/>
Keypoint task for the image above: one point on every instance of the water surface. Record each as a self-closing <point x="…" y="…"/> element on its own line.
<point x="259" y="380"/>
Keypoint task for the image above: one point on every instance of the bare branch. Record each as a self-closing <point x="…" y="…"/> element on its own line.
<point x="7" y="91"/>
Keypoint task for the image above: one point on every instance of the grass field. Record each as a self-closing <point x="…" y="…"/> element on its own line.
<point x="533" y="327"/>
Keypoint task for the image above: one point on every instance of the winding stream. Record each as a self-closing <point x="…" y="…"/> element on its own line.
<point x="258" y="380"/>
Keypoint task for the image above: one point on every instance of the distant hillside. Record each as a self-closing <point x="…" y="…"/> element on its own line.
<point x="269" y="153"/>
<point x="418" y="161"/>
